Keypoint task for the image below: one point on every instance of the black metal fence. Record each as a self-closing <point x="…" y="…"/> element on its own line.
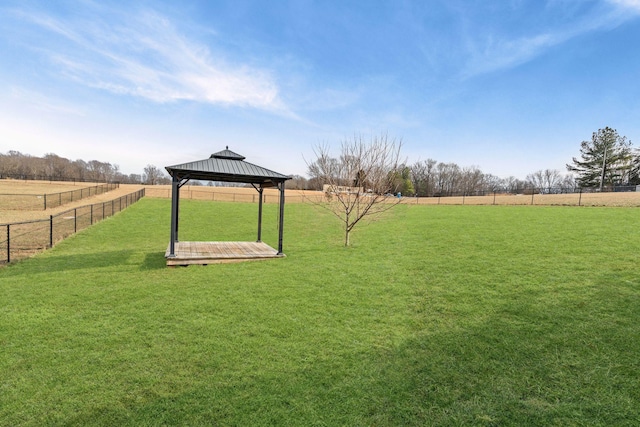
<point x="585" y="196"/>
<point x="23" y="239"/>
<point x="560" y="196"/>
<point x="51" y="200"/>
<point x="539" y="190"/>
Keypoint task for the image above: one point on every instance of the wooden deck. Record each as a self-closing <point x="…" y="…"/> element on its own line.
<point x="203" y="253"/>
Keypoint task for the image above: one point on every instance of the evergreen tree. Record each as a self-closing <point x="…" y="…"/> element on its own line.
<point x="606" y="160"/>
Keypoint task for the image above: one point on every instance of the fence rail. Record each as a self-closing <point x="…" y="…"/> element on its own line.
<point x="23" y="239"/>
<point x="51" y="200"/>
<point x="556" y="196"/>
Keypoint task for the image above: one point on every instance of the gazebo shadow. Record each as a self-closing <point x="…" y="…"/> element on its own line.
<point x="153" y="261"/>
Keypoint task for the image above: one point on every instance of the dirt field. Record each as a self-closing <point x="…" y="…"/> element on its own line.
<point x="45" y="187"/>
<point x="15" y="186"/>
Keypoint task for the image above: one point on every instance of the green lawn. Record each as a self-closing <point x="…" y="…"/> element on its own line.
<point x="437" y="315"/>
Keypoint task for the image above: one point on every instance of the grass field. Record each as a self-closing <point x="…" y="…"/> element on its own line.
<point x="437" y="315"/>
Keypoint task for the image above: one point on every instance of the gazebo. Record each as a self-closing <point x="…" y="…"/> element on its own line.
<point x="223" y="166"/>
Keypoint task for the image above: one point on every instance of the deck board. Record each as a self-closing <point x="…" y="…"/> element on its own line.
<point x="203" y="253"/>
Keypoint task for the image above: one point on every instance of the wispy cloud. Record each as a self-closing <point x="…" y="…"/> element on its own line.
<point x="497" y="51"/>
<point x="627" y="4"/>
<point x="42" y="103"/>
<point x="146" y="55"/>
<point x="499" y="54"/>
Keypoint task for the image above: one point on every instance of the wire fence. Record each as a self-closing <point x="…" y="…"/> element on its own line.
<point x="554" y="196"/>
<point x="213" y="194"/>
<point x="23" y="239"/>
<point x="51" y="200"/>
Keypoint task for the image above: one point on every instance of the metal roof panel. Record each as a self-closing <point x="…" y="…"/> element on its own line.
<point x="226" y="166"/>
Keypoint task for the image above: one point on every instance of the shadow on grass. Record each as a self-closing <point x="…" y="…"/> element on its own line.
<point x="55" y="263"/>
<point x="87" y="260"/>
<point x="525" y="364"/>
<point x="154" y="261"/>
<point x="106" y="259"/>
<point x="513" y="367"/>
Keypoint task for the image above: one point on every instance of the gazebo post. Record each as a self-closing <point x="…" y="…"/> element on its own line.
<point x="175" y="196"/>
<point x="281" y="217"/>
<point x="260" y="190"/>
<point x="178" y="187"/>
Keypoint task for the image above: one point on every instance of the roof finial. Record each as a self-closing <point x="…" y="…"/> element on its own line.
<point x="227" y="147"/>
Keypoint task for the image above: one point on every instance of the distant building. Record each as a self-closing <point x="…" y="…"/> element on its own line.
<point x="335" y="189"/>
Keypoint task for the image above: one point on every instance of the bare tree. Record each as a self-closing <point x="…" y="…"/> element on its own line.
<point x="296" y="183"/>
<point x="568" y="183"/>
<point x="545" y="180"/>
<point x="471" y="180"/>
<point x="513" y="185"/>
<point x="447" y="179"/>
<point x="423" y="177"/>
<point x="152" y="175"/>
<point x="493" y="183"/>
<point x="360" y="183"/>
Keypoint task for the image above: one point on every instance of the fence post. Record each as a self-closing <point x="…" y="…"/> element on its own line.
<point x="8" y="243"/>
<point x="50" y="231"/>
<point x="45" y="201"/>
<point x="580" y="197"/>
<point x="91" y="216"/>
<point x="75" y="220"/>
<point x="533" y="192"/>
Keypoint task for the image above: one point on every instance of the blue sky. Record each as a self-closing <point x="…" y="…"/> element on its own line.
<point x="509" y="86"/>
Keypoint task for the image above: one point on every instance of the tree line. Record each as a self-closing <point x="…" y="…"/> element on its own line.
<point x="606" y="161"/>
<point x="430" y="178"/>
<point x="15" y="164"/>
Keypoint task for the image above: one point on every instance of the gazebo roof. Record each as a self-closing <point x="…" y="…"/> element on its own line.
<point x="227" y="166"/>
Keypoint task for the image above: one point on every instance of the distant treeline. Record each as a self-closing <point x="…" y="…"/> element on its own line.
<point x="430" y="178"/>
<point x="52" y="167"/>
<point x="423" y="178"/>
<point x="17" y="165"/>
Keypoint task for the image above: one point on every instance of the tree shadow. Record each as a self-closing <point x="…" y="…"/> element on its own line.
<point x="56" y="263"/>
<point x="105" y="259"/>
